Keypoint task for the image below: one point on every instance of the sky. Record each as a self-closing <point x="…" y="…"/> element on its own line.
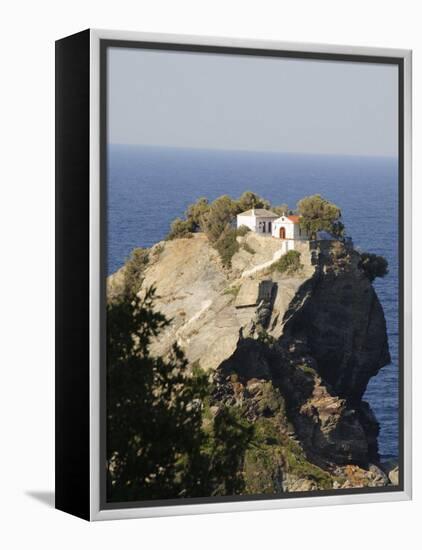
<point x="220" y="101"/>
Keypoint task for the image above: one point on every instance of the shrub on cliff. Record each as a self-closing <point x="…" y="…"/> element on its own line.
<point x="373" y="265"/>
<point x="134" y="269"/>
<point x="318" y="214"/>
<point x="180" y="229"/>
<point x="157" y="446"/>
<point x="289" y="263"/>
<point x="227" y="245"/>
<point x="242" y="230"/>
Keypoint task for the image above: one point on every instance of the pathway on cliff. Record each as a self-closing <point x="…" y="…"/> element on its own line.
<point x="276" y="256"/>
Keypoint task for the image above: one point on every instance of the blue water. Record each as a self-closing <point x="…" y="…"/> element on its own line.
<point x="148" y="187"/>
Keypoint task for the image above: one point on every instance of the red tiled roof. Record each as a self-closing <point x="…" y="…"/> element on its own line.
<point x="294" y="218"/>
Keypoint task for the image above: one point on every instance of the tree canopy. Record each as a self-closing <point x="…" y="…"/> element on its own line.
<point x="196" y="212"/>
<point x="319" y="214"/>
<point x="220" y="214"/>
<point x="249" y="200"/>
<point x="281" y="209"/>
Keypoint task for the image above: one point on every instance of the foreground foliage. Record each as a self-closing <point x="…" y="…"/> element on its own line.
<point x="157" y="446"/>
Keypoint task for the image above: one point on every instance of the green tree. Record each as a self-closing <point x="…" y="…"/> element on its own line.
<point x="373" y="265"/>
<point x="281" y="209"/>
<point x="249" y="200"/>
<point x="196" y="211"/>
<point x="156" y="444"/>
<point x="318" y="214"/>
<point x="220" y="214"/>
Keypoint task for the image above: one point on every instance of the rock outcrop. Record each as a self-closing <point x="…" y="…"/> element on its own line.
<point x="294" y="350"/>
<point x="338" y="314"/>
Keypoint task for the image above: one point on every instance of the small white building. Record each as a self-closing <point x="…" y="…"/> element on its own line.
<point x="288" y="228"/>
<point x="259" y="220"/>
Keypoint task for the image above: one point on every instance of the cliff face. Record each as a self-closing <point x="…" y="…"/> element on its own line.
<point x="295" y="351"/>
<point x="338" y="314"/>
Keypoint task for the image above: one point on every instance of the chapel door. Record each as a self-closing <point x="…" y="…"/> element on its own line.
<point x="282" y="232"/>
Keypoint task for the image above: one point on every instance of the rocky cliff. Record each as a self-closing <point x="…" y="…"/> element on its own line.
<point x="294" y="350"/>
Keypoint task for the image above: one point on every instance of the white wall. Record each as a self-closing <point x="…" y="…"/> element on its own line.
<point x="249" y="221"/>
<point x="27" y="274"/>
<point x="288" y="230"/>
<point x="292" y="229"/>
<point x="289" y="227"/>
<point x="254" y="223"/>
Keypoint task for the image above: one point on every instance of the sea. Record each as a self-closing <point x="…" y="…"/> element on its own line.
<point x="147" y="187"/>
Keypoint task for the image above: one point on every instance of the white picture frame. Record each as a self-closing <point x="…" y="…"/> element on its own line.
<point x="91" y="506"/>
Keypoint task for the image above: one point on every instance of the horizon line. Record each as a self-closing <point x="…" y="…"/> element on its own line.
<point x="268" y="151"/>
